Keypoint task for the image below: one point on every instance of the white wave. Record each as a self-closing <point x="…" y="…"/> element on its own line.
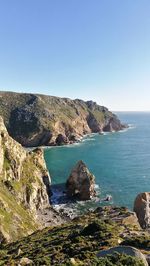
<point x="105" y="133"/>
<point x="67" y="209"/>
<point x="88" y="139"/>
<point x="97" y="187"/>
<point x="130" y="126"/>
<point x="73" y="144"/>
<point x="123" y="130"/>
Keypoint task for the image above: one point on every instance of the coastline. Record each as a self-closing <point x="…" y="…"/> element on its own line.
<point x="70" y="210"/>
<point x="84" y="137"/>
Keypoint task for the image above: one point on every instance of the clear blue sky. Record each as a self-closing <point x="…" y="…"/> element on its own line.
<point x="89" y="49"/>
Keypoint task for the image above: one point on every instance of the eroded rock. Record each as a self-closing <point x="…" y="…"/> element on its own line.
<point x="80" y="184"/>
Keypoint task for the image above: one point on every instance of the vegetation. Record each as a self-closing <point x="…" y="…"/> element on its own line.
<point x="75" y="243"/>
<point x="34" y="119"/>
<point x="21" y="172"/>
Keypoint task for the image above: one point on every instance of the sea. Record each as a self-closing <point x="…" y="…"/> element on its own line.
<point x="120" y="162"/>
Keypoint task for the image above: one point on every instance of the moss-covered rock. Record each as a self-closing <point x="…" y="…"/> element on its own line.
<point x="24" y="183"/>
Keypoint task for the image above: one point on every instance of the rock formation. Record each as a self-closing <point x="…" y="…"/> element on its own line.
<point x="24" y="187"/>
<point x="131" y="251"/>
<point x="61" y="140"/>
<point x="35" y="120"/>
<point x="80" y="184"/>
<point x="142" y="209"/>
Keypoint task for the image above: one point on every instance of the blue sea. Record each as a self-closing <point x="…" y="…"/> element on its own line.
<point x="120" y="162"/>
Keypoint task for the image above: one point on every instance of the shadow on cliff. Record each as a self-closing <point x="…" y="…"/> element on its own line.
<point x="59" y="195"/>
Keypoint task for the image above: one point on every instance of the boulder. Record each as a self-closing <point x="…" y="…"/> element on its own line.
<point x="80" y="184"/>
<point x="25" y="261"/>
<point x="142" y="209"/>
<point x="131" y="251"/>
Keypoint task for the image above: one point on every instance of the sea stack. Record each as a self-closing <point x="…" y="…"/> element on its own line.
<point x="80" y="184"/>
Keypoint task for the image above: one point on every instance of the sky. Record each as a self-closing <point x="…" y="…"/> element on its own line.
<point x="90" y="49"/>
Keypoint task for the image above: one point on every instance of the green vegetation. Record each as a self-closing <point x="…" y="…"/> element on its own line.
<point x="138" y="242"/>
<point x="16" y="221"/>
<point x="99" y="116"/>
<point x="11" y="208"/>
<point x="21" y="172"/>
<point x="33" y="119"/>
<point x="75" y="243"/>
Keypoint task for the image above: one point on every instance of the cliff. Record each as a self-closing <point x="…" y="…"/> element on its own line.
<point x="24" y="187"/>
<point x="35" y="120"/>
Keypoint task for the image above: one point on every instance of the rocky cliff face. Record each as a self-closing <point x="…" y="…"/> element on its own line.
<point x="35" y="120"/>
<point x="80" y="184"/>
<point x="24" y="187"/>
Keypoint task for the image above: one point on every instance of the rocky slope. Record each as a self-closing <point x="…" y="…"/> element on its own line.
<point x="24" y="187"/>
<point x="35" y="120"/>
<point x="80" y="242"/>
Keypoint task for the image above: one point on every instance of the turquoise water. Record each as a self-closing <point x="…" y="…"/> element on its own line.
<point x="120" y="161"/>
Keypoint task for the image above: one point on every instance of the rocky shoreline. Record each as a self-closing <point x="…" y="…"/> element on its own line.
<point x="47" y="235"/>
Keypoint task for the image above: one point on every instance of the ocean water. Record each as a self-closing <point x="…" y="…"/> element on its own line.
<point x="120" y="162"/>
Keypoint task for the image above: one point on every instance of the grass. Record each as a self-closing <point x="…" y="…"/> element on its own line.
<point x="75" y="243"/>
<point x="21" y="174"/>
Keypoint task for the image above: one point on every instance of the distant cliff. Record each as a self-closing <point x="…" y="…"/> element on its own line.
<point x="35" y="120"/>
<point x="24" y="187"/>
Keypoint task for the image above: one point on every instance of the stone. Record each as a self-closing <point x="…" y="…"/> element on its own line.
<point x="80" y="184"/>
<point x="142" y="209"/>
<point x="25" y="261"/>
<point x="131" y="251"/>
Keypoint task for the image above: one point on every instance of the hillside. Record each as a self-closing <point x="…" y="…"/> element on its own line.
<point x="24" y="187"/>
<point x="35" y="120"/>
<point x="78" y="242"/>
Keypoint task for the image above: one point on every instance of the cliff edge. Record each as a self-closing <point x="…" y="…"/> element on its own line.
<point x="24" y="187"/>
<point x="35" y="120"/>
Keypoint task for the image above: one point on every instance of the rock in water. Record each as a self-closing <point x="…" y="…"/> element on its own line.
<point x="142" y="209"/>
<point x="80" y="184"/>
